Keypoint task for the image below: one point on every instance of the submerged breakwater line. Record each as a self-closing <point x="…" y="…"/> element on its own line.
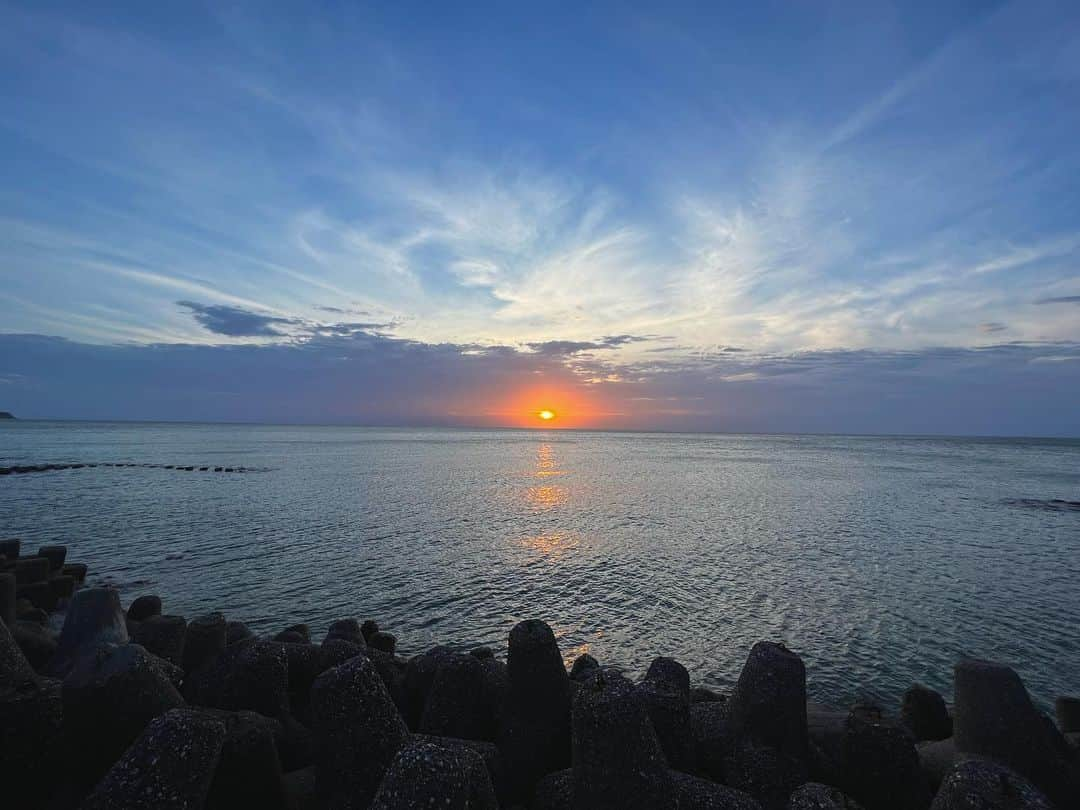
<point x="150" y="709"/>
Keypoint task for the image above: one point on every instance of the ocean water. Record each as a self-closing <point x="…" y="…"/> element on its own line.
<point x="879" y="560"/>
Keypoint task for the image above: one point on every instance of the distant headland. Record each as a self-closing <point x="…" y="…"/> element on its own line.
<point x="6" y="415"/>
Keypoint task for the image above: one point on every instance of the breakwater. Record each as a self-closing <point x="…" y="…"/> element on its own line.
<point x="149" y="709"/>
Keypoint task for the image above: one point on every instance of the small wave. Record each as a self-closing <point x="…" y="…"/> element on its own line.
<point x="1050" y="504"/>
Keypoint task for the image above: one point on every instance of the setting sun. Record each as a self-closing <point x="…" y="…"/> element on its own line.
<point x="547" y="416"/>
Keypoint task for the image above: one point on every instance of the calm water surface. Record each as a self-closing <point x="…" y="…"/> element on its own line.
<point x="879" y="560"/>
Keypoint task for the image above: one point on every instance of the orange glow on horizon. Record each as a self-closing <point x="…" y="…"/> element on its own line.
<point x="546" y="415"/>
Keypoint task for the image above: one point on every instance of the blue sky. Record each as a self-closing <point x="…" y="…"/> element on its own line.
<point x="775" y="216"/>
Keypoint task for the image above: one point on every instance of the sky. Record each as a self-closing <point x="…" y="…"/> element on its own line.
<point x="850" y="217"/>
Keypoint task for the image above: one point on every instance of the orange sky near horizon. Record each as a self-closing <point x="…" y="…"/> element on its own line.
<point x="573" y="406"/>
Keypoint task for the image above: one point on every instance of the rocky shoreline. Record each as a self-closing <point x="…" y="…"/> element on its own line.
<point x="143" y="709"/>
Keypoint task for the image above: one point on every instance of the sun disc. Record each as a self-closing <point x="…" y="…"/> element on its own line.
<point x="546" y="415"/>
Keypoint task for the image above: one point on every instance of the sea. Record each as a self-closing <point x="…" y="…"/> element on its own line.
<point x="879" y="560"/>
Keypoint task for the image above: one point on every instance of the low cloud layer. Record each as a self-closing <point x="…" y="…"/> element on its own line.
<point x="368" y="378"/>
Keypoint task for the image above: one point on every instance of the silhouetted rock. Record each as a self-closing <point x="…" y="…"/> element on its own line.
<point x="584" y="665"/>
<point x="881" y="766"/>
<point x="483" y="653"/>
<point x="490" y="758"/>
<point x="249" y="770"/>
<point x="295" y="634"/>
<point x="7" y="598"/>
<point x="387" y="642"/>
<point x="170" y="767"/>
<point x="419" y="676"/>
<point x="15" y="671"/>
<point x="994" y="718"/>
<point x="290" y="637"/>
<point x="249" y="674"/>
<point x="1067" y="710"/>
<point x="617" y="759"/>
<point x="336" y="651"/>
<point x="665" y="692"/>
<point x="357" y="733"/>
<point x="55" y="555"/>
<point x="144" y="607"/>
<point x="702" y="694"/>
<point x="347" y="630"/>
<point x="535" y="734"/>
<point x="10" y="549"/>
<point x="204" y="641"/>
<point x="693" y="793"/>
<point x="110" y="696"/>
<point x="768" y="705"/>
<point x="37" y="643"/>
<point x="299" y="788"/>
<point x="62" y="586"/>
<point x="39" y="594"/>
<point x="936" y="760"/>
<point x="708" y="730"/>
<point x="985" y="785"/>
<point x="815" y="796"/>
<point x="767" y="743"/>
<point x="369" y="628"/>
<point x="31" y="734"/>
<point x="236" y="631"/>
<point x="93" y="618"/>
<point x="457" y="705"/>
<point x="32" y="569"/>
<point x="425" y="775"/>
<point x="75" y="570"/>
<point x="924" y="714"/>
<point x="164" y="636"/>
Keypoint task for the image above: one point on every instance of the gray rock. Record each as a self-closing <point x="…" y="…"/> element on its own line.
<point x="204" y="641"/>
<point x="10" y="549"/>
<point x="357" y="733"/>
<point x="984" y="785"/>
<point x="144" y="607"/>
<point x="994" y="718"/>
<point x="815" y="796"/>
<point x="424" y="775"/>
<point x="767" y="774"/>
<point x="170" y="767"/>
<point x="164" y="636"/>
<point x="93" y="618"/>
<point x="110" y="696"/>
<point x="925" y="715"/>
<point x="702" y="694"/>
<point x="535" y="736"/>
<point x="617" y="759"/>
